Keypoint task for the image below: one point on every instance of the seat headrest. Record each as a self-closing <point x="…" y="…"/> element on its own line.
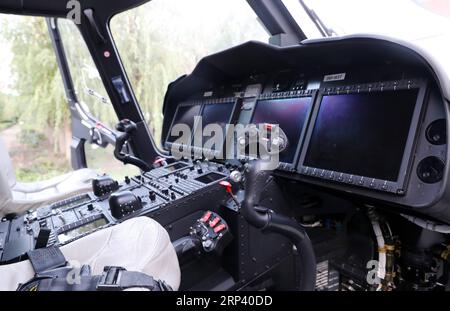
<point x="6" y="167"/>
<point x="7" y="178"/>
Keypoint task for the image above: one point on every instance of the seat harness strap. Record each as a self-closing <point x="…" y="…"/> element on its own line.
<point x="52" y="273"/>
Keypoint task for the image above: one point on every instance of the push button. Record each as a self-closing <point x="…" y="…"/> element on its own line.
<point x="219" y="228"/>
<point x="206" y="216"/>
<point x="214" y="222"/>
<point x="152" y="195"/>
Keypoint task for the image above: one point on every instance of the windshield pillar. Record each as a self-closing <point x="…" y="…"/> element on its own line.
<point x="278" y="22"/>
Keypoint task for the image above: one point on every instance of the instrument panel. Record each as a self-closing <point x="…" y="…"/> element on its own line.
<point x="199" y="120"/>
<point x="383" y="140"/>
<point x="363" y="134"/>
<point x="282" y="110"/>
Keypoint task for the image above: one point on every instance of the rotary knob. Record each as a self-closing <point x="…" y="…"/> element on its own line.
<point x="430" y="170"/>
<point x="152" y="195"/>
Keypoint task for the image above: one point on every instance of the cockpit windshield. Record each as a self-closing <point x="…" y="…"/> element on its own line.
<point x="411" y="20"/>
<point x="426" y="23"/>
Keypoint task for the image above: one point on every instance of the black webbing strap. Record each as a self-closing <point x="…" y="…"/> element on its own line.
<point x="117" y="278"/>
<point x="44" y="259"/>
<point x="71" y="279"/>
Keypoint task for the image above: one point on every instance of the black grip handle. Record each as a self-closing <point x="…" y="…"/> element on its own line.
<point x="89" y="13"/>
<point x="120" y="142"/>
<point x="127" y="127"/>
<point x="256" y="177"/>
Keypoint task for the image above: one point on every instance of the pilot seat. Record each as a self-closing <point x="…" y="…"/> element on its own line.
<point x="17" y="197"/>
<point x="140" y="244"/>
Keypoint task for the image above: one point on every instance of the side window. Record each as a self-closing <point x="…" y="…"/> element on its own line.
<point x="34" y="116"/>
<point x="93" y="97"/>
<point x="162" y="40"/>
<point x="89" y="87"/>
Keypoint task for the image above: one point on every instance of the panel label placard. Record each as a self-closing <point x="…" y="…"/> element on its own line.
<point x="334" y="77"/>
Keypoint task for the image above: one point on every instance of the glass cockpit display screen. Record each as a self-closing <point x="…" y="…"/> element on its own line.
<point x="71" y="234"/>
<point x="363" y="134"/>
<point x="290" y="114"/>
<point x="209" y="178"/>
<point x="71" y="202"/>
<point x="184" y="115"/>
<point x="218" y="114"/>
<point x="176" y="166"/>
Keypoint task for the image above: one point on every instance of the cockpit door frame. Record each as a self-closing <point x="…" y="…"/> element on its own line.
<point x="94" y="28"/>
<point x="85" y="127"/>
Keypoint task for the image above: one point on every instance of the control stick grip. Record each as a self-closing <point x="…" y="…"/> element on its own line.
<point x="256" y="177"/>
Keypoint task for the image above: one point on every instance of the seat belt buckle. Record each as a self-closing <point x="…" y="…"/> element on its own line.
<point x="110" y="279"/>
<point x="164" y="287"/>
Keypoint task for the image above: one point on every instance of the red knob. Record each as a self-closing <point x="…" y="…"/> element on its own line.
<point x="159" y="162"/>
<point x="226" y="185"/>
<point x="268" y="126"/>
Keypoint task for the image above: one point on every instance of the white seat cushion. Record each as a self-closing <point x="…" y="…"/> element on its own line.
<point x="17" y="197"/>
<point x="139" y="244"/>
<point x="57" y="186"/>
<point x="27" y="196"/>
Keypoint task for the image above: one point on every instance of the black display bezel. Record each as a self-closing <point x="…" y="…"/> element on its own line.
<point x="216" y="153"/>
<point x="169" y="167"/>
<point x="168" y="144"/>
<point x="81" y="223"/>
<point x="218" y="176"/>
<point x="396" y="187"/>
<point x="312" y="94"/>
<point x="202" y="103"/>
<point x="81" y="199"/>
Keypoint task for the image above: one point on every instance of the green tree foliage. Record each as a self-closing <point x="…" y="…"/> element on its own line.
<point x="89" y="87"/>
<point x="157" y="42"/>
<point x="38" y="99"/>
<point x="34" y="116"/>
<point x="161" y="40"/>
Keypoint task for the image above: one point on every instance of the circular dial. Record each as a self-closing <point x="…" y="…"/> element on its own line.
<point x="430" y="170"/>
<point x="437" y="132"/>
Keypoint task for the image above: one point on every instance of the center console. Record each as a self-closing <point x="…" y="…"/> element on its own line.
<point x="175" y="195"/>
